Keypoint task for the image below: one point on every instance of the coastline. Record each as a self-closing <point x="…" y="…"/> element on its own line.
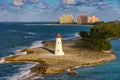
<point x="55" y="25"/>
<point x="112" y="38"/>
<point x="48" y="63"/>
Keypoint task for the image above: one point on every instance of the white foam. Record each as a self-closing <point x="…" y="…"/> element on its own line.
<point x="9" y="55"/>
<point x="31" y="33"/>
<point x="38" y="77"/>
<point x="22" y="53"/>
<point x="25" y="70"/>
<point x="23" y="74"/>
<point x="2" y="61"/>
<point x="77" y="67"/>
<point x="18" y="49"/>
<point x="37" y="44"/>
<point x="77" y="35"/>
<point x="12" y="30"/>
<point x="27" y="37"/>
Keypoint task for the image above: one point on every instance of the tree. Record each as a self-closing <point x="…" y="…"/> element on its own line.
<point x="96" y="38"/>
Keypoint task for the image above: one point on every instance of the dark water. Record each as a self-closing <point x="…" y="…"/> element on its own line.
<point x="16" y="37"/>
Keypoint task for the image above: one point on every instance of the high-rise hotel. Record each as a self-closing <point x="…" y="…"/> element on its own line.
<point x="84" y="19"/>
<point x="92" y="19"/>
<point x="66" y="19"/>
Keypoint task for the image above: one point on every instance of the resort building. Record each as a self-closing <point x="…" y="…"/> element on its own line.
<point x="93" y="19"/>
<point x="82" y="19"/>
<point x="66" y="19"/>
<point x="89" y="19"/>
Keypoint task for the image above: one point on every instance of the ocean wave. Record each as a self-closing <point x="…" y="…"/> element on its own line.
<point x="2" y="61"/>
<point x="24" y="73"/>
<point x="13" y="51"/>
<point x="39" y="77"/>
<point x="12" y="30"/>
<point x="37" y="44"/>
<point x="24" y="70"/>
<point x="17" y="51"/>
<point x="77" y="35"/>
<point x="74" y="35"/>
<point x="31" y="33"/>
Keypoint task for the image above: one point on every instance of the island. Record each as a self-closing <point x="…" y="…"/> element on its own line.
<point x="51" y="64"/>
<point x="77" y="51"/>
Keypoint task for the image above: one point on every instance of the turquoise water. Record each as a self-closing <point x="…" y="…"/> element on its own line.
<point x="16" y="37"/>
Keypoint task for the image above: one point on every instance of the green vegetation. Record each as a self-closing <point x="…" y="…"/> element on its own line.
<point x="106" y="30"/>
<point x="96" y="39"/>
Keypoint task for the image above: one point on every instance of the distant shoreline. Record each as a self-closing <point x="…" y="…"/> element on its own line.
<point x="55" y="25"/>
<point x="42" y="24"/>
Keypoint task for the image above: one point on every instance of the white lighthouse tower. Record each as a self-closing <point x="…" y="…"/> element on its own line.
<point x="58" y="46"/>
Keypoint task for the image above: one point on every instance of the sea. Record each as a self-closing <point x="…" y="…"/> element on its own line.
<point x="17" y="36"/>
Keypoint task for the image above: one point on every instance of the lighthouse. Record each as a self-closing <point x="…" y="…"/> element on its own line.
<point x="58" y="46"/>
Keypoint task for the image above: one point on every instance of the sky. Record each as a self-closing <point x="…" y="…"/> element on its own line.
<point x="50" y="10"/>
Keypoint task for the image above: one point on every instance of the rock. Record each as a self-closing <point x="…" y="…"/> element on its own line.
<point x="69" y="72"/>
<point x="26" y="51"/>
<point x="72" y="73"/>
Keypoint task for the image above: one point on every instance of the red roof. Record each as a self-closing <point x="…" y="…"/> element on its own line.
<point x="58" y="35"/>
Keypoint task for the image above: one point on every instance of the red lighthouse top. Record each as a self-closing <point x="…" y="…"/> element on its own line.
<point x="58" y="35"/>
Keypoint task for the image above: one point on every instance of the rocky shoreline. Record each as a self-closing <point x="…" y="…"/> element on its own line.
<point x="52" y="64"/>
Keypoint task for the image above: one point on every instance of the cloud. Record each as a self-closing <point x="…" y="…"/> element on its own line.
<point x="3" y="6"/>
<point x="38" y="8"/>
<point x="83" y="1"/>
<point x="66" y="4"/>
<point x="34" y="1"/>
<point x="43" y="6"/>
<point x="101" y="3"/>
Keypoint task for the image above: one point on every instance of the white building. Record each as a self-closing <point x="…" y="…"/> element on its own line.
<point x="58" y="46"/>
<point x="66" y="19"/>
